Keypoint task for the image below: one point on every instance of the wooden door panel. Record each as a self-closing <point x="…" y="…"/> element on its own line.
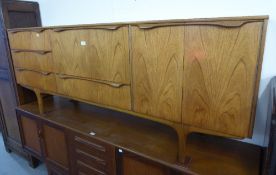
<point x="30" y="134"/>
<point x="219" y="77"/>
<point x="133" y="166"/>
<point x="93" y="53"/>
<point x="55" y="146"/>
<point x="157" y="70"/>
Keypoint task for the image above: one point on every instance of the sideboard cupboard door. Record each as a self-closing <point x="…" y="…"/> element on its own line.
<point x="157" y="70"/>
<point x="219" y="76"/>
<point x="55" y="147"/>
<point x="30" y="135"/>
<point x="30" y="40"/>
<point x="101" y="54"/>
<point x="130" y="164"/>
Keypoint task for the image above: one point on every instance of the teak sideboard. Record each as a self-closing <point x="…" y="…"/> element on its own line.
<point x="195" y="75"/>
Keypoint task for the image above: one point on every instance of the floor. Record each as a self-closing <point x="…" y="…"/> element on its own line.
<point x="13" y="164"/>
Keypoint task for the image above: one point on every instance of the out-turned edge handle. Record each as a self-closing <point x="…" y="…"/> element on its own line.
<point x="61" y="29"/>
<point x="230" y="24"/>
<point x="27" y="30"/>
<point x="40" y="72"/>
<point x="112" y="84"/>
<point x="41" y="52"/>
<point x="101" y="161"/>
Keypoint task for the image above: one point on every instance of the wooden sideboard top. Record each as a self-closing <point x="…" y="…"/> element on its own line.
<point x="210" y="154"/>
<point x="220" y="21"/>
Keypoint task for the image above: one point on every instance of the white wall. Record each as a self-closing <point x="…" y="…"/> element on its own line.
<point x="63" y="12"/>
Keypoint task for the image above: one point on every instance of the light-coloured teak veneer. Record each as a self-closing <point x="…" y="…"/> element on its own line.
<point x="195" y="75"/>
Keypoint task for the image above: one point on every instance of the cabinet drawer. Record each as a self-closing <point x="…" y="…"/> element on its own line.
<point x="101" y="54"/>
<point x="41" y="61"/>
<point x="101" y="92"/>
<point x="85" y="169"/>
<point x="93" y="156"/>
<point x="35" y="79"/>
<point x="30" y="40"/>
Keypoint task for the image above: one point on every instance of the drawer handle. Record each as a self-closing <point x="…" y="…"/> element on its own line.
<point x="39" y="30"/>
<point x="93" y="145"/>
<point x="229" y="24"/>
<point x="101" y="161"/>
<point x="61" y="29"/>
<point x="89" y="167"/>
<point x="41" y="52"/>
<point x="40" y="72"/>
<point x="112" y="84"/>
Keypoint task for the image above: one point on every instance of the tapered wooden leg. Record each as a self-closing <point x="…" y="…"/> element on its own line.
<point x="183" y="133"/>
<point x="39" y="101"/>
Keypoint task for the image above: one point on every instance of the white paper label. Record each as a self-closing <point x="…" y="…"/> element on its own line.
<point x="92" y="133"/>
<point x="83" y="43"/>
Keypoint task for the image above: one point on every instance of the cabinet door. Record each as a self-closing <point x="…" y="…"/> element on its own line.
<point x="219" y="76"/>
<point x="101" y="54"/>
<point x="157" y="70"/>
<point x="30" y="135"/>
<point x="55" y="148"/>
<point x="134" y="165"/>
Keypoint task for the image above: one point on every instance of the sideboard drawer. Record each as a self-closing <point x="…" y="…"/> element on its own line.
<point x="99" y="53"/>
<point x="41" y="61"/>
<point x="93" y="156"/>
<point x="101" y="92"/>
<point x="31" y="40"/>
<point x="35" y="79"/>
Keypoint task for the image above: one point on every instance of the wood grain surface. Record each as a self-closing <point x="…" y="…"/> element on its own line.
<point x="219" y="77"/>
<point x="157" y="70"/>
<point x="30" y="40"/>
<point x="30" y="134"/>
<point x="55" y="145"/>
<point x="95" y="92"/>
<point x="33" y="61"/>
<point x="93" y="53"/>
<point x="35" y="79"/>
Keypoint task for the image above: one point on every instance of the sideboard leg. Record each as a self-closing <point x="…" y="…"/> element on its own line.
<point x="39" y="101"/>
<point x="183" y="133"/>
<point x="33" y="162"/>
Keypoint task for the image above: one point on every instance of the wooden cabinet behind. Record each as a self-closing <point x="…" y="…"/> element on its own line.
<point x="45" y="141"/>
<point x="13" y="14"/>
<point x="220" y="68"/>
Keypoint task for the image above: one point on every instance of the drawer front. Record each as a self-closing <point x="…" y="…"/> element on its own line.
<point x="93" y="156"/>
<point x="30" y="40"/>
<point x="93" y="53"/>
<point x="35" y="79"/>
<point x="105" y="93"/>
<point x="33" y="61"/>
